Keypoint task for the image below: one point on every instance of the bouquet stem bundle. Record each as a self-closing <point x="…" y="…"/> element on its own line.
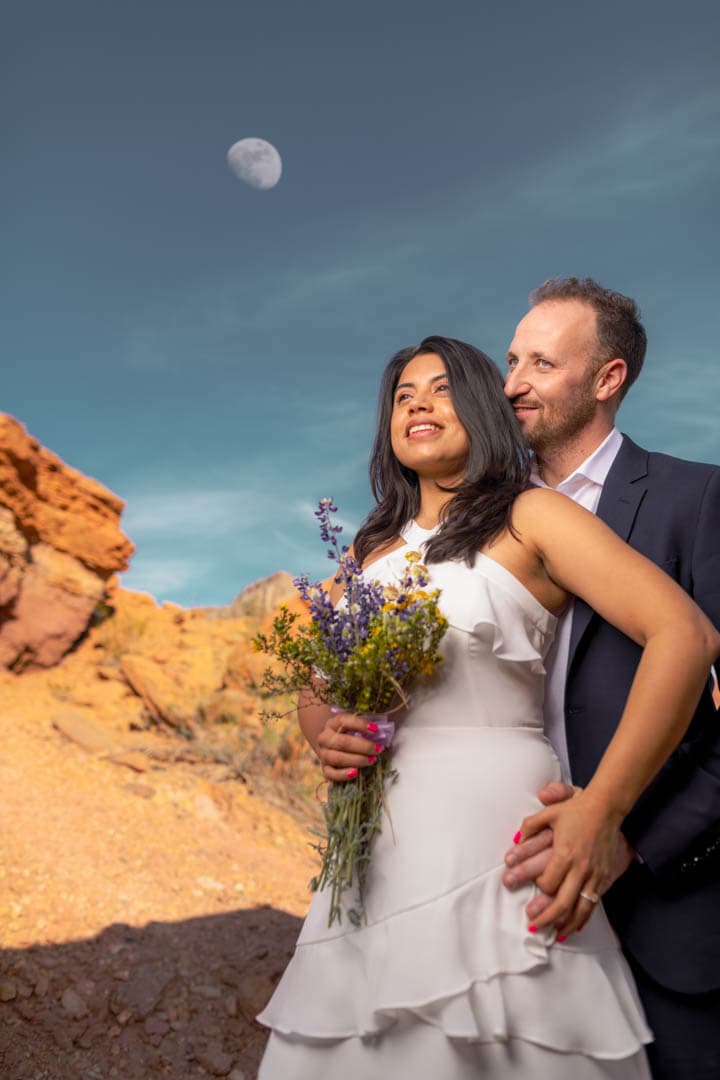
<point x="353" y="814"/>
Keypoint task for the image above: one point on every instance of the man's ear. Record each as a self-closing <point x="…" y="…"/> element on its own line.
<point x="610" y="378"/>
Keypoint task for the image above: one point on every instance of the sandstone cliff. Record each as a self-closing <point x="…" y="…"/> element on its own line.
<point x="60" y="544"/>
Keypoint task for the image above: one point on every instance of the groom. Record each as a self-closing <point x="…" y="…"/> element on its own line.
<point x="573" y="358"/>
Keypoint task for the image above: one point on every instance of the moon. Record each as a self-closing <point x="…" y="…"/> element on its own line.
<point x="255" y="162"/>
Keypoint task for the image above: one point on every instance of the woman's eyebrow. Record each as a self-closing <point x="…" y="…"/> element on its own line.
<point x="412" y="384"/>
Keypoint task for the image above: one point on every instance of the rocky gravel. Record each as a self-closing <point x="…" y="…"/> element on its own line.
<point x="167" y="999"/>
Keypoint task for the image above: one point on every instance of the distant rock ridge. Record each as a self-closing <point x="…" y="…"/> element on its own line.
<point x="259" y="599"/>
<point x="60" y="544"/>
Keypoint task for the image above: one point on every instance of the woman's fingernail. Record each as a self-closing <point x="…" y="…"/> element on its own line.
<point x="373" y="727"/>
<point x="378" y="747"/>
<point x="561" y="937"/>
<point x="533" y="929"/>
<point x="510" y="881"/>
<point x="580" y="928"/>
<point x="372" y="760"/>
<point x="351" y="774"/>
<point x="517" y="837"/>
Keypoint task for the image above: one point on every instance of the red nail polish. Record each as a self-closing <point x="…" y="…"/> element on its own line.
<point x="517" y="837"/>
<point x="533" y="929"/>
<point x="378" y="747"/>
<point x="372" y="760"/>
<point x="351" y="774"/>
<point x="580" y="928"/>
<point x="561" y="937"/>
<point x="373" y="727"/>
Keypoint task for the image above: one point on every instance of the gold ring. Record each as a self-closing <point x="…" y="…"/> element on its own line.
<point x="592" y="898"/>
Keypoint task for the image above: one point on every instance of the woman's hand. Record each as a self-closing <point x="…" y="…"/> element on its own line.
<point x="585" y="843"/>
<point x="341" y="753"/>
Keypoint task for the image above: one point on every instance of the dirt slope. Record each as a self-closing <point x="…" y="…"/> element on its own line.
<point x="149" y="896"/>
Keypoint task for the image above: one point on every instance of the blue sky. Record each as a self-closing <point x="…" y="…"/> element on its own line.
<point x="211" y="352"/>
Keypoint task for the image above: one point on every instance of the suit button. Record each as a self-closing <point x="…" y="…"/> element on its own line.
<point x="573" y="710"/>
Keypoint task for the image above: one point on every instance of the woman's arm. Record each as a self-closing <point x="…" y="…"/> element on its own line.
<point x="312" y="716"/>
<point x="584" y="556"/>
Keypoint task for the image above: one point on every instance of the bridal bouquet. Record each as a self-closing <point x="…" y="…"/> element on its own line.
<point x="361" y="657"/>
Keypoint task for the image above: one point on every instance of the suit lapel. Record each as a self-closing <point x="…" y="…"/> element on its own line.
<point x="622" y="493"/>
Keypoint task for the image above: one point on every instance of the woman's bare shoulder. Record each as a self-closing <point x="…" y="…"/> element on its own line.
<point x="534" y="504"/>
<point x="539" y="514"/>
<point x="537" y="503"/>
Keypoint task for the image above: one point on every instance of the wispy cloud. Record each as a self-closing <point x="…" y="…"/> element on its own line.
<point x="298" y="550"/>
<point x="163" y="577"/>
<point x="655" y="147"/>
<point x="190" y="511"/>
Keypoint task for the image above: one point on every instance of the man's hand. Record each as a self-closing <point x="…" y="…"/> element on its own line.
<point x="527" y="860"/>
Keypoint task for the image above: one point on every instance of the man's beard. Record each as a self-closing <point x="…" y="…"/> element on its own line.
<point x="563" y="424"/>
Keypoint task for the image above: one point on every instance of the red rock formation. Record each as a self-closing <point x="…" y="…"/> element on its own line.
<point x="60" y="543"/>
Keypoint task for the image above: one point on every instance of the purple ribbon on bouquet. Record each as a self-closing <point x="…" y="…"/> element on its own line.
<point x="385" y="726"/>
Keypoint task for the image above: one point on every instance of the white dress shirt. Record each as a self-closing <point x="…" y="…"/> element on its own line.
<point x="584" y="486"/>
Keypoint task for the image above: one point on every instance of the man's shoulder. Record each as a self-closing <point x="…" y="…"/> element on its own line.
<point x="660" y="465"/>
<point x="658" y="460"/>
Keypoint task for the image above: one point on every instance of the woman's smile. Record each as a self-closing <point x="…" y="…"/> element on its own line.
<point x="423" y="430"/>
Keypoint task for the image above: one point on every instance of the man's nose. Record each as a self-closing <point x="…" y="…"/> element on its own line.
<point x="515" y="382"/>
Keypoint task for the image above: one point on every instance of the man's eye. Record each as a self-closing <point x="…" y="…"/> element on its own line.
<point x="543" y="363"/>
<point x="512" y="361"/>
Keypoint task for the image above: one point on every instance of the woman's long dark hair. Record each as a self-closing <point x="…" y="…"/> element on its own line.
<point x="497" y="467"/>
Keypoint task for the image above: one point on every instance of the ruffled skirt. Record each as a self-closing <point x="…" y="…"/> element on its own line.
<point x="445" y="981"/>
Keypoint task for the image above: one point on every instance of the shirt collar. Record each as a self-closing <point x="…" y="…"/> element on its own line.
<point x="594" y="468"/>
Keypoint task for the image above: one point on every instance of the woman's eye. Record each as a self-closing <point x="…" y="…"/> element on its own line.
<point x="443" y="386"/>
<point x="400" y="398"/>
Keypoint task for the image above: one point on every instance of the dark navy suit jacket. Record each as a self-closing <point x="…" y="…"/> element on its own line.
<point x="667" y="911"/>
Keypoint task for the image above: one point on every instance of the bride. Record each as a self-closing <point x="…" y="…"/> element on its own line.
<point x="446" y="981"/>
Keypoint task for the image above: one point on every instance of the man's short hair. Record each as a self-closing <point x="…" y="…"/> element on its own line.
<point x="619" y="330"/>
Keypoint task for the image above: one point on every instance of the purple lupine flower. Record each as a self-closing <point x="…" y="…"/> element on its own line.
<point x="349" y="622"/>
<point x="323" y="613"/>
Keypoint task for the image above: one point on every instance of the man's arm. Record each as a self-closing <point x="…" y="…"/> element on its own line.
<point x="682" y="809"/>
<point x="675" y="833"/>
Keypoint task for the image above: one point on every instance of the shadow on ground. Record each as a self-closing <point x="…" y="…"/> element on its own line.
<point x="165" y="1000"/>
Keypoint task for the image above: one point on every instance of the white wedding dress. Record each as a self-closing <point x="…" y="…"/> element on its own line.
<point x="445" y="982"/>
